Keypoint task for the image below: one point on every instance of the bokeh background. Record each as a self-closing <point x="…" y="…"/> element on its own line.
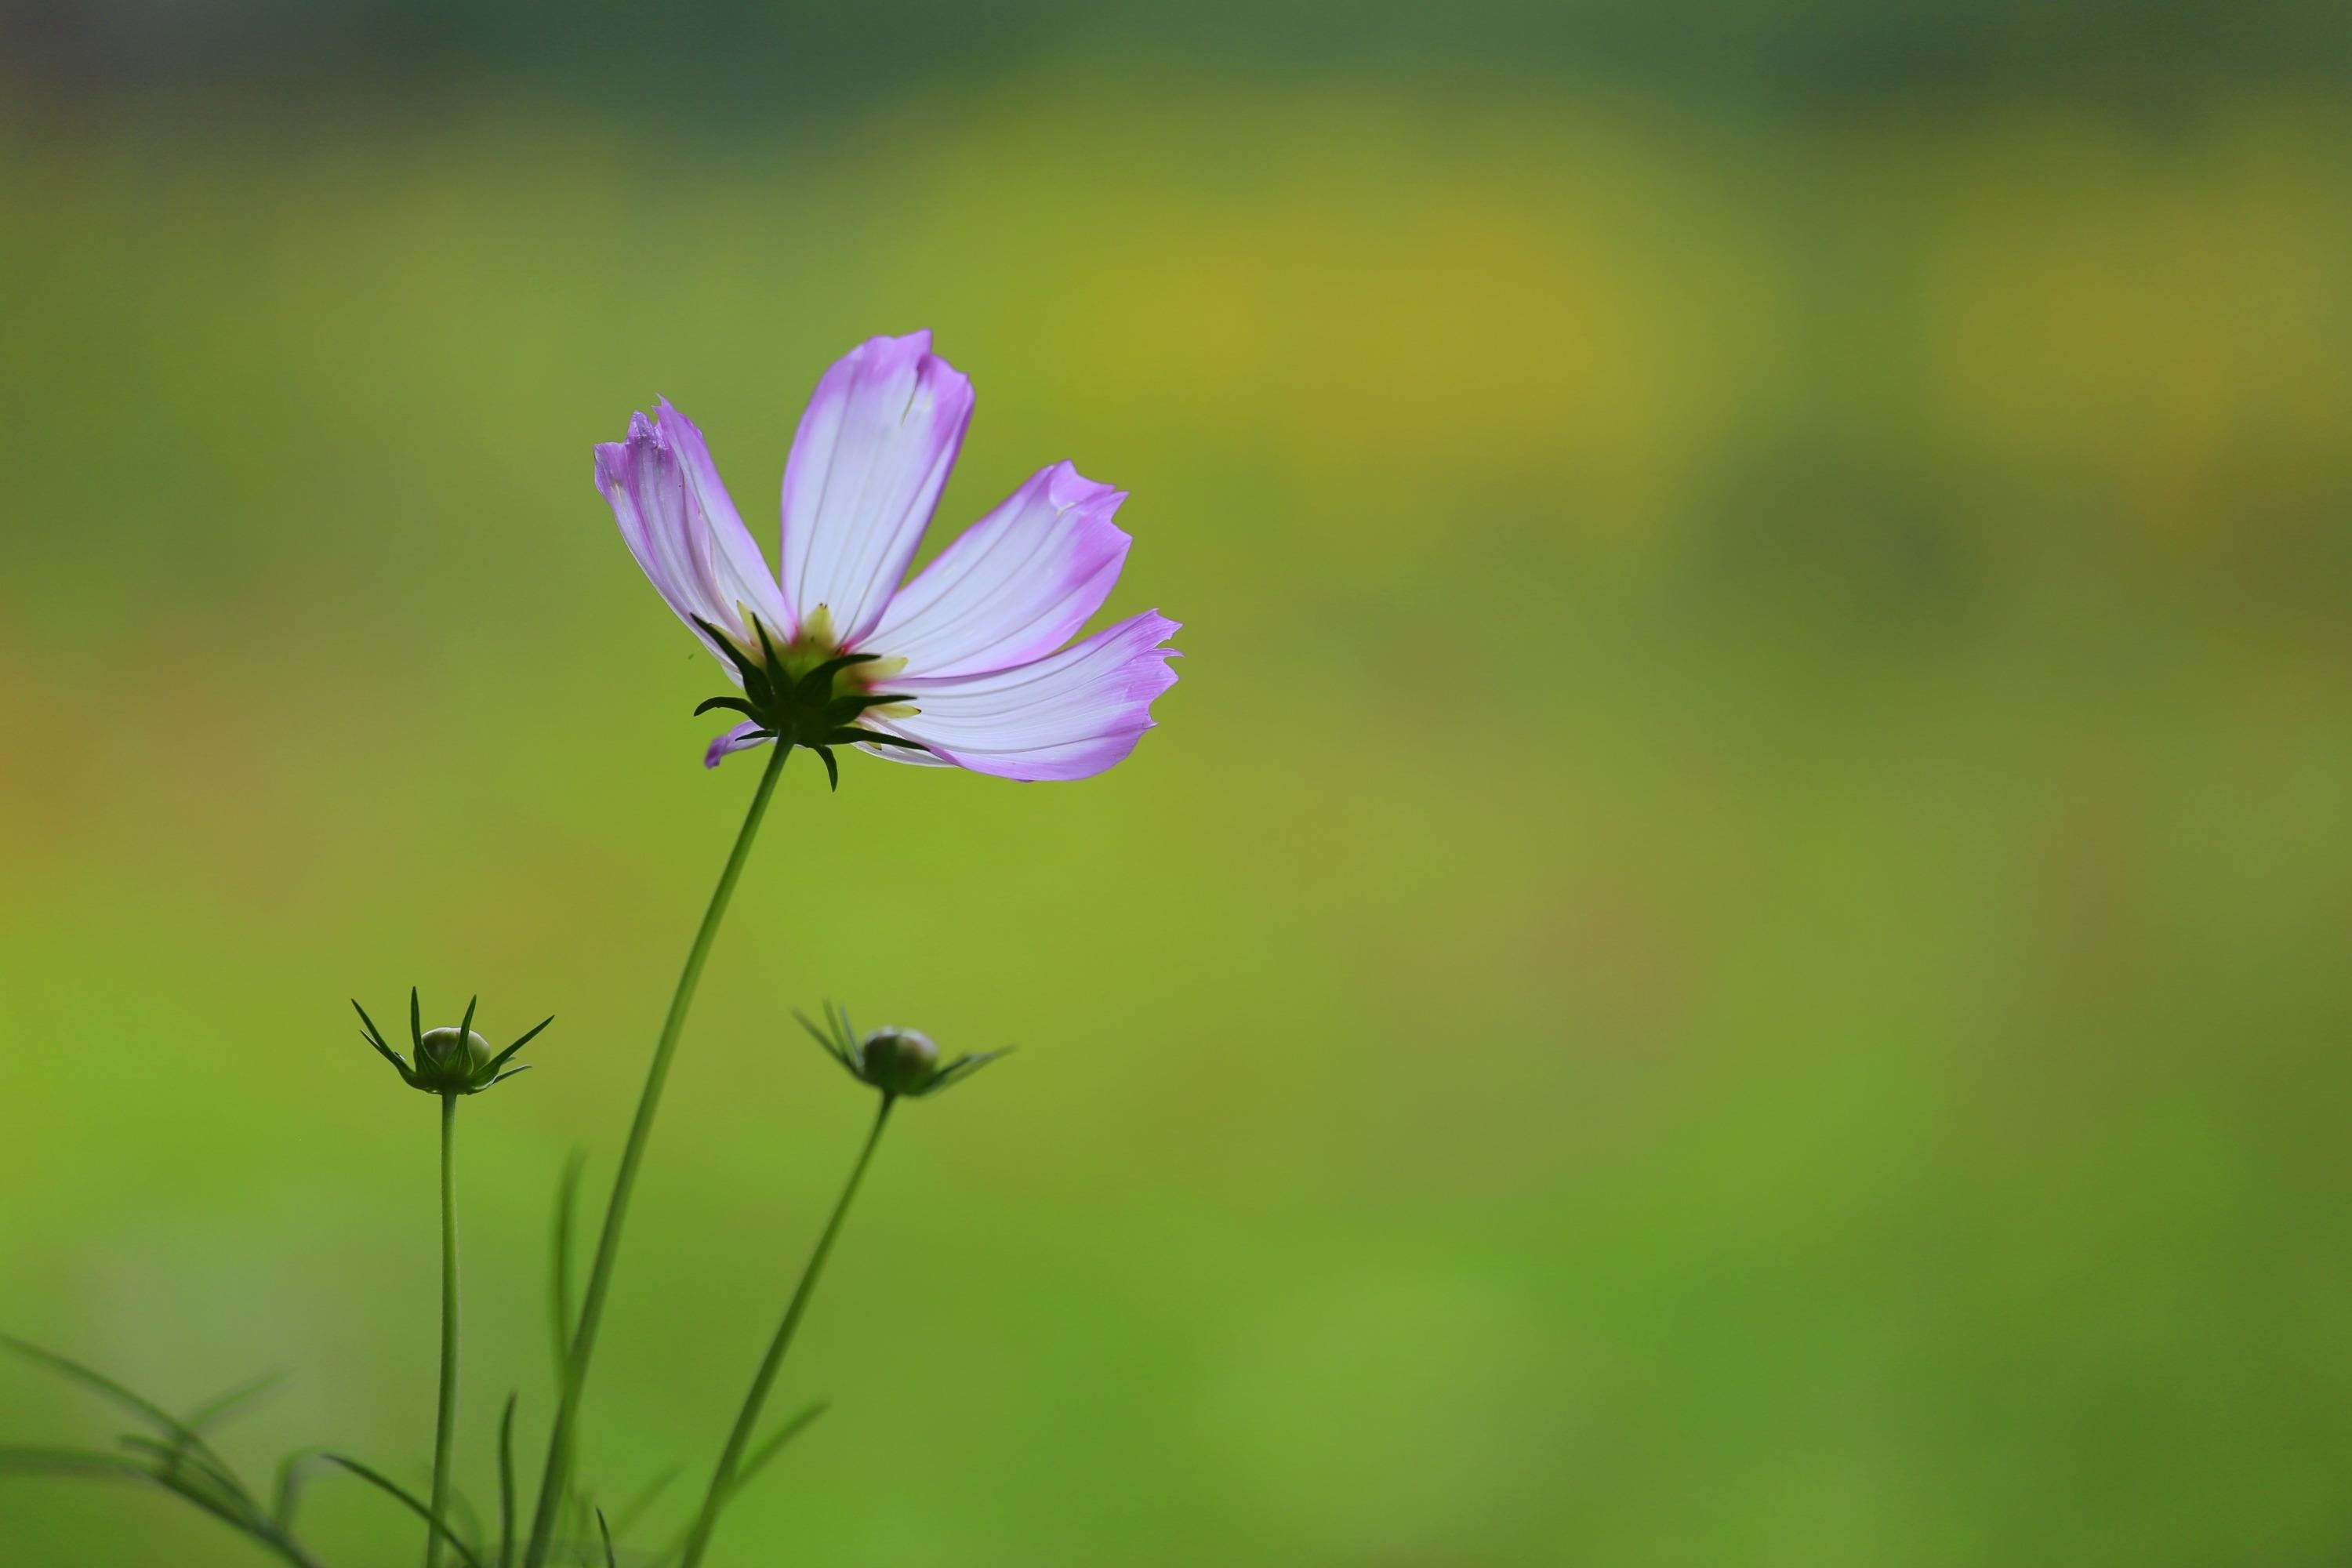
<point x="1733" y="949"/>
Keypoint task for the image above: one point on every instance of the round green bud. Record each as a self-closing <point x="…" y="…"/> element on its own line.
<point x="899" y="1061"/>
<point x="448" y="1062"/>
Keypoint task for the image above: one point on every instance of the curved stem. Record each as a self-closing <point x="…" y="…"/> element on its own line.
<point x="555" y="1479"/>
<point x="722" y="1480"/>
<point x="445" y="1422"/>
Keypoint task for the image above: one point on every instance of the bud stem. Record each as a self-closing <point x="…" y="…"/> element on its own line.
<point x="445" y="1422"/>
<point x="555" y="1479"/>
<point x="722" y="1480"/>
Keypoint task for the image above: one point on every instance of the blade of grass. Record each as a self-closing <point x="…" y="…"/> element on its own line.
<point x="776" y="1442"/>
<point x="506" y="1486"/>
<point x="24" y="1459"/>
<point x="415" y="1505"/>
<point x="770" y="1446"/>
<point x="559" y="1295"/>
<point x="635" y="1508"/>
<point x="462" y="1507"/>
<point x="100" y="1384"/>
<point x="173" y="1457"/>
<point x="145" y="1409"/>
<point x="218" y="1408"/>
<point x="294" y="1472"/>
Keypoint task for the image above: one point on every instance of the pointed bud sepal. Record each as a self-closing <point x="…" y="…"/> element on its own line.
<point x="805" y="694"/>
<point x="903" y="1064"/>
<point x="448" y="1061"/>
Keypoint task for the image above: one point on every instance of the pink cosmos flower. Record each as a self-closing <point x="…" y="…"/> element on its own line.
<point x="965" y="661"/>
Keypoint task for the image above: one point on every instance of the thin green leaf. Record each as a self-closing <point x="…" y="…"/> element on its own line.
<point x="832" y="771"/>
<point x="582" y="1507"/>
<point x="463" y="1507"/>
<point x="218" y="1408"/>
<point x="775" y="1444"/>
<point x="257" y="1528"/>
<point x="76" y="1462"/>
<point x="506" y="1486"/>
<point x="646" y="1499"/>
<point x="176" y="1458"/>
<point x="607" y="1531"/>
<point x="759" y="1460"/>
<point x="732" y="704"/>
<point x="27" y="1459"/>
<point x="467" y="1027"/>
<point x="415" y="1020"/>
<point x="294" y="1472"/>
<point x="386" y="1483"/>
<point x="100" y="1384"/>
<point x="559" y="1296"/>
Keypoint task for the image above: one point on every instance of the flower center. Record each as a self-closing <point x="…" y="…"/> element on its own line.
<point x="818" y="644"/>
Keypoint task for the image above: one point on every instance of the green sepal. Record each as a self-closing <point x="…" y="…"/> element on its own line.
<point x="374" y="1036"/>
<point x="816" y="686"/>
<point x="774" y="666"/>
<point x="961" y="1068"/>
<point x="727" y="648"/>
<point x="832" y="768"/>
<point x="734" y="704"/>
<point x="848" y="706"/>
<point x="849" y="735"/>
<point x="842" y="1048"/>
<point x="491" y="1068"/>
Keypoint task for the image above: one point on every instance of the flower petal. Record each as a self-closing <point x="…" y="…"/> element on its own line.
<point x="729" y="742"/>
<point x="1016" y="586"/>
<point x="1063" y="717"/>
<point x="880" y="433"/>
<point x="679" y="523"/>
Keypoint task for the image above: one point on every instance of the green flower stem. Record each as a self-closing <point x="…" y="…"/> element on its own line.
<point x="555" y="1480"/>
<point x="445" y="1423"/>
<point x="722" y="1480"/>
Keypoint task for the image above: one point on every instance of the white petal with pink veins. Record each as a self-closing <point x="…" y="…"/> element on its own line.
<point x="1016" y="586"/>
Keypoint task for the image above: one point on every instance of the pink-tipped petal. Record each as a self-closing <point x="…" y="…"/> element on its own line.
<point x="727" y="744"/>
<point x="679" y="523"/>
<point x="1017" y="585"/>
<point x="874" y="447"/>
<point x="1067" y="716"/>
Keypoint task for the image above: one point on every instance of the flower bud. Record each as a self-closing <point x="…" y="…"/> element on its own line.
<point x="899" y="1061"/>
<point x="450" y="1061"/>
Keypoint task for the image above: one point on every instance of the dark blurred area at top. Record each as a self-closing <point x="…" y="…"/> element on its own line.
<point x="740" y="56"/>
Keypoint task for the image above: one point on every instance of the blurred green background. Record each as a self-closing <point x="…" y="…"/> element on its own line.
<point x="1733" y="949"/>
